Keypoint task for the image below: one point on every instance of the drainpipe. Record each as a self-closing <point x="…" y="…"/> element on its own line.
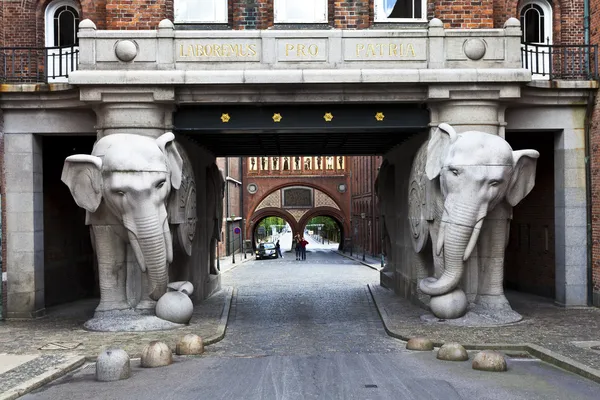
<point x="588" y="192"/>
<point x="586" y="22"/>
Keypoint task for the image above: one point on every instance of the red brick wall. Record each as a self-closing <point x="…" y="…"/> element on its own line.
<point x="470" y="14"/>
<point x="137" y="14"/>
<point x="595" y="162"/>
<point x="351" y="14"/>
<point x="366" y="231"/>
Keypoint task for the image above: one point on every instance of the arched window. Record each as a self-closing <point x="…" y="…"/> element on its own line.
<point x="62" y="20"/>
<point x="536" y="21"/>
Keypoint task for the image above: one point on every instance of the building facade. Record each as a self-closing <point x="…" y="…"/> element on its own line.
<point x="242" y="79"/>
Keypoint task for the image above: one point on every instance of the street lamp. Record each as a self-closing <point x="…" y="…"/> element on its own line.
<point x="232" y="239"/>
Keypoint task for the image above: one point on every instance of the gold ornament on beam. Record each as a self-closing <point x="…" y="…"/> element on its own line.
<point x="225" y="117"/>
<point x="277" y="117"/>
<point x="379" y="116"/>
<point x="328" y="117"/>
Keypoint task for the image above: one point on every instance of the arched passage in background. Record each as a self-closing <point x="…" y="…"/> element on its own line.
<point x="330" y="212"/>
<point x="263" y="213"/>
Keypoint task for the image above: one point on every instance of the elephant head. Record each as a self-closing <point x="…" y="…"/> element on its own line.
<point x="476" y="172"/>
<point x="133" y="175"/>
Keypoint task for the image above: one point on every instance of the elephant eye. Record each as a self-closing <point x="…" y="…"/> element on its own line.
<point x="495" y="182"/>
<point x="120" y="192"/>
<point x="160" y="184"/>
<point x="454" y="171"/>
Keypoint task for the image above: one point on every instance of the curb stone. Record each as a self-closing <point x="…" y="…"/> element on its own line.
<point x="534" y="350"/>
<point x="40" y="380"/>
<point x="357" y="260"/>
<point x="224" y="318"/>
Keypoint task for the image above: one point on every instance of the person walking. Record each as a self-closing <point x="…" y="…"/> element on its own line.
<point x="303" y="244"/>
<point x="297" y="247"/>
<point x="278" y="248"/>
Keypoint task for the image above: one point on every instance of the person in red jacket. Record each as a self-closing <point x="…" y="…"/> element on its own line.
<point x="303" y="244"/>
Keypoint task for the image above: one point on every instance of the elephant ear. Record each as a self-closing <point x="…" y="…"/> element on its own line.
<point x="166" y="143"/>
<point x="523" y="176"/>
<point x="82" y="173"/>
<point x="437" y="149"/>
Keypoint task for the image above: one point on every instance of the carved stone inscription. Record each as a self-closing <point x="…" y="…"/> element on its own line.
<point x="297" y="197"/>
<point x="381" y="49"/>
<point x="301" y="50"/>
<point x="218" y="50"/>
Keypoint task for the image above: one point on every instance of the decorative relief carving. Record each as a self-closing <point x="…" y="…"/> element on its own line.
<point x="182" y="204"/>
<point x="298" y="197"/>
<point x="324" y="200"/>
<point x="297" y="214"/>
<point x="416" y="200"/>
<point x="272" y="200"/>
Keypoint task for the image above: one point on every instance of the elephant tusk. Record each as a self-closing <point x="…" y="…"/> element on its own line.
<point x="168" y="241"/>
<point x="473" y="240"/>
<point x="441" y="232"/>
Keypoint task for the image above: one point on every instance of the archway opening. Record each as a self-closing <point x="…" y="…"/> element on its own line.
<point x="271" y="229"/>
<point x="325" y="230"/>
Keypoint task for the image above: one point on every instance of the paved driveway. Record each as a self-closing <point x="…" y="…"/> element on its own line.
<point x="307" y="330"/>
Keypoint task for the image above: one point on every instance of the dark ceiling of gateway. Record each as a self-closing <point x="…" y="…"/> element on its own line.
<point x="263" y="130"/>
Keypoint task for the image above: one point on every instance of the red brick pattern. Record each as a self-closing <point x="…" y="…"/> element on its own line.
<point x="137" y="14"/>
<point x="595" y="157"/>
<point x="351" y="14"/>
<point x="468" y="14"/>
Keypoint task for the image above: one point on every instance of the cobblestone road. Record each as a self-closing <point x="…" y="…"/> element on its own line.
<point x="307" y="307"/>
<point x="309" y="330"/>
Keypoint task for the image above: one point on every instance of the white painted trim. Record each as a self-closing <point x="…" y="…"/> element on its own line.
<point x="49" y="18"/>
<point x="280" y="14"/>
<point x="547" y="9"/>
<point x="180" y="8"/>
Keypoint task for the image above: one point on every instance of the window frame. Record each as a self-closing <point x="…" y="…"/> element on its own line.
<point x="379" y="13"/>
<point x="221" y="15"/>
<point x="49" y="20"/>
<point x="280" y="17"/>
<point x="548" y="17"/>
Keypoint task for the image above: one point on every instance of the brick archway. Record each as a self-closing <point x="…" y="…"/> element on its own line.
<point x="269" y="212"/>
<point x="337" y="215"/>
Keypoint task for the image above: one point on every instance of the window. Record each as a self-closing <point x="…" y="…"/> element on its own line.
<point x="536" y="22"/>
<point x="400" y="10"/>
<point x="300" y="11"/>
<point x="200" y="11"/>
<point x="62" y="21"/>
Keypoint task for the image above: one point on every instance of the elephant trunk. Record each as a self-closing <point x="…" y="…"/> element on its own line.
<point x="149" y="246"/>
<point x="458" y="237"/>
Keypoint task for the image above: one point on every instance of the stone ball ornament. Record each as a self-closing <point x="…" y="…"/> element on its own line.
<point x="190" y="345"/>
<point x="156" y="354"/>
<point x="113" y="365"/>
<point x="175" y="307"/>
<point x="126" y="50"/>
<point x="489" y="360"/>
<point x="419" y="344"/>
<point x="474" y="49"/>
<point x="452" y="352"/>
<point x="450" y="305"/>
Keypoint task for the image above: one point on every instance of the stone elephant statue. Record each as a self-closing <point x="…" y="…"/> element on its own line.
<point x="463" y="188"/>
<point x="125" y="185"/>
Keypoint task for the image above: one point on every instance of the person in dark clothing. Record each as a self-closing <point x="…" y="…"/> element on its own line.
<point x="303" y="244"/>
<point x="298" y="248"/>
<point x="278" y="248"/>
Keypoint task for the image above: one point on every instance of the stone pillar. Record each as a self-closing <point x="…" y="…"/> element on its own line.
<point x="571" y="254"/>
<point x="24" y="225"/>
<point x="145" y="111"/>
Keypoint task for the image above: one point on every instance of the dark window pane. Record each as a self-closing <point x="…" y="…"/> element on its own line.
<point x="66" y="20"/>
<point x="402" y="9"/>
<point x="418" y="12"/>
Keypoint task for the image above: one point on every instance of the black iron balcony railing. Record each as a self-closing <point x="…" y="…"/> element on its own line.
<point x="569" y="62"/>
<point x="37" y="64"/>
